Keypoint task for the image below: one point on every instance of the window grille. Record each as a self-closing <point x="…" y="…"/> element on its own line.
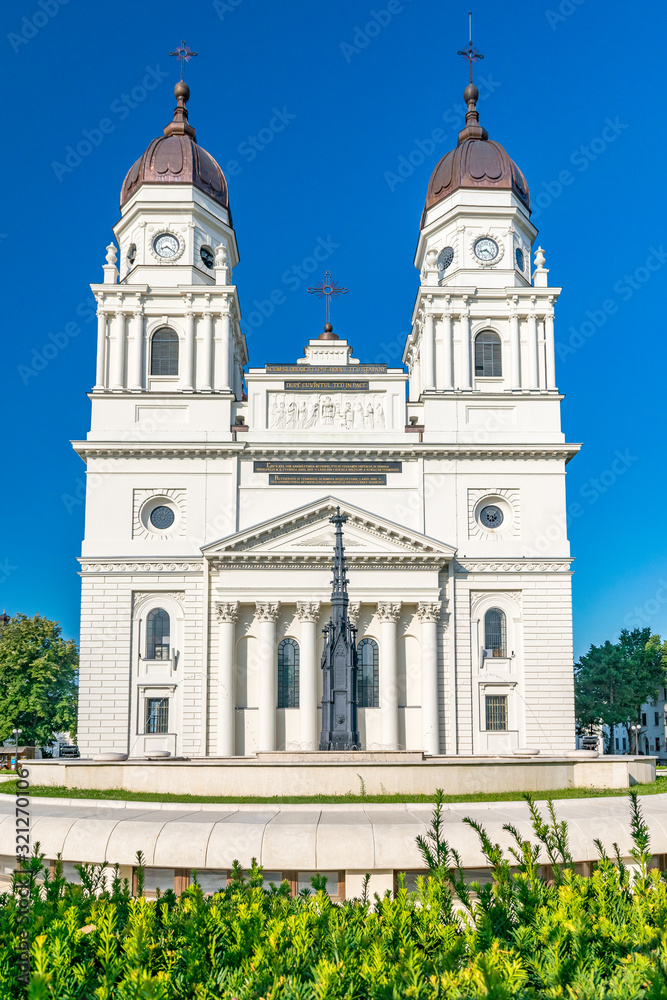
<point x="488" y="355"/>
<point x="288" y="674"/>
<point x="157" y="715"/>
<point x="164" y="352"/>
<point x="368" y="674"/>
<point x="496" y="712"/>
<point x="157" y="635"/>
<point x="495" y="631"/>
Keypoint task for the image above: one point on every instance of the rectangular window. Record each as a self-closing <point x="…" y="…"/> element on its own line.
<point x="496" y="712"/>
<point x="617" y="742"/>
<point x="643" y="718"/>
<point x="625" y="743"/>
<point x="156" y="878"/>
<point x="657" y="719"/>
<point x="157" y="715"/>
<point x="657" y="743"/>
<point x="211" y="881"/>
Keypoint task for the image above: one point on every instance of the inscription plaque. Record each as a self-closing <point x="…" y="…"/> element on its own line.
<point x="284" y="479"/>
<point x="327" y="468"/>
<point x="310" y="385"/>
<point x="326" y="369"/>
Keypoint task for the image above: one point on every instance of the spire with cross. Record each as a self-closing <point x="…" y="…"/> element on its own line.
<point x="471" y="53"/>
<point x="184" y="53"/>
<point x="328" y="289"/>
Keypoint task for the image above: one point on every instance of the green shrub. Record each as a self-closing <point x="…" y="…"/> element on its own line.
<point x="522" y="936"/>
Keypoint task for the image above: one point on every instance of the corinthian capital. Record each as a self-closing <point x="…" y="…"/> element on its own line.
<point x="428" y="612"/>
<point x="353" y="609"/>
<point x="389" y="612"/>
<point x="227" y="611"/>
<point x="267" y="611"/>
<point x="308" y="611"/>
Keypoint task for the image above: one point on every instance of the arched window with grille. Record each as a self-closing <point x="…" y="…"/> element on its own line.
<point x="495" y="631"/>
<point x="488" y="355"/>
<point x="164" y="352"/>
<point x="288" y="674"/>
<point x="368" y="676"/>
<point x="157" y="634"/>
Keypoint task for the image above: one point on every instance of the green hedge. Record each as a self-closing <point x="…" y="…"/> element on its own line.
<point x="521" y="936"/>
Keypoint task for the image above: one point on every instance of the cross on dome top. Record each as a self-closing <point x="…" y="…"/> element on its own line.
<point x="328" y="289"/>
<point x="471" y="53"/>
<point x="185" y="54"/>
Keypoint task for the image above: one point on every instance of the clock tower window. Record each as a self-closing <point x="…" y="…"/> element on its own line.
<point x="488" y="355"/>
<point x="164" y="352"/>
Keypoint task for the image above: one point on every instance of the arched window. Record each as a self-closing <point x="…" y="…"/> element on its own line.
<point x="164" y="352"/>
<point x="495" y="631"/>
<point x="157" y="635"/>
<point x="368" y="679"/>
<point x="488" y="356"/>
<point x="288" y="674"/>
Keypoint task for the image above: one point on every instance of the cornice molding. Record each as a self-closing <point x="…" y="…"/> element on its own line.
<point x="140" y="566"/>
<point x="410" y="451"/>
<point x="513" y="566"/>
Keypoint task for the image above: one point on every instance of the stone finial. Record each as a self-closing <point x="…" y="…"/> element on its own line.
<point x="430" y="275"/>
<point x="222" y="266"/>
<point x="110" y="269"/>
<point x="112" y="254"/>
<point x="221" y="258"/>
<point x="541" y="272"/>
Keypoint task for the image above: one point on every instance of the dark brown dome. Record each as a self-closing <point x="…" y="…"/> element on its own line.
<point x="175" y="158"/>
<point x="477" y="162"/>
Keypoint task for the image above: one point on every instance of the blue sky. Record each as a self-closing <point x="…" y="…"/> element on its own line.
<point x="572" y="89"/>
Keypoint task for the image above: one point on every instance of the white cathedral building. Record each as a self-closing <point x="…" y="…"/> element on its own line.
<point x="207" y="558"/>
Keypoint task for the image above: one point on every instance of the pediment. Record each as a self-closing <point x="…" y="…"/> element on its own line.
<point x="306" y="536"/>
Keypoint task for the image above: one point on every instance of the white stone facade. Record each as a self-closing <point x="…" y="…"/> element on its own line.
<point x="250" y="467"/>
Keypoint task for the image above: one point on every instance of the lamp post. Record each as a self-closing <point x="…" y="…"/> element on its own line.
<point x="16" y="733"/>
<point x="634" y="729"/>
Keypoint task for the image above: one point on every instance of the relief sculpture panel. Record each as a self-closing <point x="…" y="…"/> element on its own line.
<point x="348" y="411"/>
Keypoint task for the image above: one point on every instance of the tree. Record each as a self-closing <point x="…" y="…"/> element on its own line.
<point x="38" y="679"/>
<point x="612" y="681"/>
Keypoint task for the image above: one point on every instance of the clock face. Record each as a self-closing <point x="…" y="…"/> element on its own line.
<point x="166" y="245"/>
<point x="519" y="258"/>
<point x="485" y="249"/>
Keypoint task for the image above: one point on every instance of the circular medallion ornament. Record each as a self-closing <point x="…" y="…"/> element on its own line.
<point x="166" y="245"/>
<point x="485" y="249"/>
<point x="208" y="257"/>
<point x="491" y="516"/>
<point x="445" y="258"/>
<point x="519" y="258"/>
<point x="162" y="518"/>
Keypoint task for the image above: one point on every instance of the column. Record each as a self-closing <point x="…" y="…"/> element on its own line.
<point x="222" y="376"/>
<point x="428" y="616"/>
<point x="515" y="351"/>
<point x="388" y="615"/>
<point x="533" y="374"/>
<point x="267" y="615"/>
<point x="187" y="376"/>
<point x="428" y="352"/>
<point x="550" y="349"/>
<point x="464" y="321"/>
<point x="207" y="351"/>
<point x="136" y="359"/>
<point x="308" y="613"/>
<point x="118" y="351"/>
<point x="101" y="347"/>
<point x="227" y="614"/>
<point x="447" y="345"/>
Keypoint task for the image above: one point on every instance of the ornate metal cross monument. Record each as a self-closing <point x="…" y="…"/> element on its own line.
<point x="339" y="660"/>
<point x="328" y="289"/>
<point x="184" y="53"/>
<point x="471" y="53"/>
